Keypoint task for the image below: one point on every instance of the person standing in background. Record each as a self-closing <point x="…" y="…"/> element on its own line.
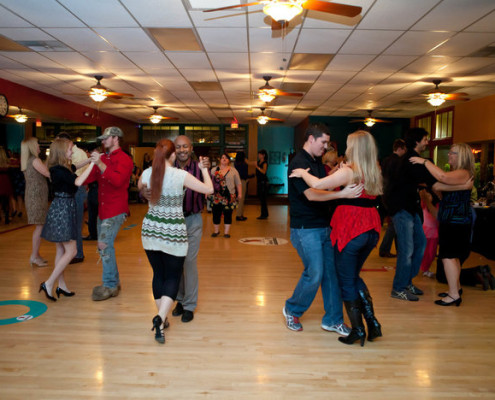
<point x="36" y="194"/>
<point x="241" y="166"/>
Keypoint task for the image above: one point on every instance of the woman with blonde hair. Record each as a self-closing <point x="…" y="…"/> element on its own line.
<point x="60" y="226"/>
<point x="355" y="229"/>
<point x="36" y="194"/>
<point x="164" y="233"/>
<point x="454" y="215"/>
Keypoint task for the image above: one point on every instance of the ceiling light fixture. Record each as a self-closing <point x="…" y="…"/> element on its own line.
<point x="98" y="92"/>
<point x="20" y="117"/>
<point x="156" y="118"/>
<point x="436" y="99"/>
<point x="267" y="95"/>
<point x="369" y="122"/>
<point x="283" y="12"/>
<point x="262" y="119"/>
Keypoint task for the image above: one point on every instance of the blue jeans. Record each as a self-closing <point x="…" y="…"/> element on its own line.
<point x="411" y="243"/>
<point x="316" y="252"/>
<point x="388" y="238"/>
<point x="349" y="262"/>
<point x="80" y="199"/>
<point x="107" y="232"/>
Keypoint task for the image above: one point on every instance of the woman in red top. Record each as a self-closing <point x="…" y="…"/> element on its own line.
<point x="355" y="229"/>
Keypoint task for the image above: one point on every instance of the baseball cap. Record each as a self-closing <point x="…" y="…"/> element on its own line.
<point x="111" y="131"/>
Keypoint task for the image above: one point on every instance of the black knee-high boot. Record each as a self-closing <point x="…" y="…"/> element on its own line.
<point x="374" y="327"/>
<point x="353" y="309"/>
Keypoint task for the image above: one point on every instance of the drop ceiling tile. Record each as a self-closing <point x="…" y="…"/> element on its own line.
<point x="32" y="59"/>
<point x="393" y="14"/>
<point x="188" y="60"/>
<point x="46" y="13"/>
<point x="429" y="64"/>
<point x="219" y="19"/>
<point x="454" y="15"/>
<point x="72" y="60"/>
<point x="349" y="62"/>
<point x="463" y="44"/>
<point x="80" y="39"/>
<point x="237" y="61"/>
<point x="241" y="85"/>
<point x="368" y="78"/>
<point x="214" y="39"/>
<point x="467" y="66"/>
<point x="323" y="41"/>
<point x="7" y="63"/>
<point x="149" y="61"/>
<point x="260" y="40"/>
<point x="486" y="24"/>
<point x="234" y="75"/>
<point x="301" y="76"/>
<point x="128" y="39"/>
<point x="19" y="34"/>
<point x="158" y="13"/>
<point x="97" y="13"/>
<point x="199" y="75"/>
<point x="389" y="63"/>
<point x="336" y="76"/>
<point x="10" y="20"/>
<point x="109" y="59"/>
<point x="369" y="41"/>
<point x="322" y="89"/>
<point x="269" y="61"/>
<point x="417" y="43"/>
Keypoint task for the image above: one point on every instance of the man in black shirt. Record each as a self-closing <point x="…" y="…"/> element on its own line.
<point x="389" y="165"/>
<point x="310" y="235"/>
<point x="404" y="205"/>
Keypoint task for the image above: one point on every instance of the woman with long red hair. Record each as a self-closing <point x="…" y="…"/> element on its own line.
<point x="164" y="233"/>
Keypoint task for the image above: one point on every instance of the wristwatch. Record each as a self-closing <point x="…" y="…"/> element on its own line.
<point x="4" y="106"/>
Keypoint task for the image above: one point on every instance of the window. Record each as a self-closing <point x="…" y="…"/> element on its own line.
<point x="443" y="126"/>
<point x="153" y="133"/>
<point x="439" y="125"/>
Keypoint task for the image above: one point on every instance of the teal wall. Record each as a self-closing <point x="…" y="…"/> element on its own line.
<point x="12" y="136"/>
<point x="276" y="140"/>
<point x="384" y="133"/>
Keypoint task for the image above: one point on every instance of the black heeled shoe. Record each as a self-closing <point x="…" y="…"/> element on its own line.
<point x="355" y="335"/>
<point x="456" y="302"/>
<point x="59" y="291"/>
<point x="157" y="327"/>
<point x="445" y="294"/>
<point x="43" y="287"/>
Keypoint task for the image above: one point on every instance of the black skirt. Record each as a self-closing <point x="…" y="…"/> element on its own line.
<point x="60" y="224"/>
<point x="454" y="241"/>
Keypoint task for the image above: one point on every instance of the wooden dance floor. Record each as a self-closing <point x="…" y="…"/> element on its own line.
<point x="237" y="346"/>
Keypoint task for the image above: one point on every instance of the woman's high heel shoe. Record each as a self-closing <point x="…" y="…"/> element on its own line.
<point x="157" y="327"/>
<point x="456" y="302"/>
<point x="445" y="294"/>
<point x="59" y="291"/>
<point x="43" y="287"/>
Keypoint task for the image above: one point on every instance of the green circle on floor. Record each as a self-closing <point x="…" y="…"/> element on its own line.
<point x="36" y="308"/>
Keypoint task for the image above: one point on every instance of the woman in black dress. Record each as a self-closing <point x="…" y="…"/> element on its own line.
<point x="262" y="182"/>
<point x="60" y="225"/>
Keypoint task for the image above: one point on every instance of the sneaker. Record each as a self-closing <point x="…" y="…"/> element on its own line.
<point x="429" y="274"/>
<point x="292" y="321"/>
<point x="415" y="290"/>
<point x="341" y="329"/>
<point x="404" y="295"/>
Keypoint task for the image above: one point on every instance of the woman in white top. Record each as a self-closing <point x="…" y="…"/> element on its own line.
<point x="164" y="234"/>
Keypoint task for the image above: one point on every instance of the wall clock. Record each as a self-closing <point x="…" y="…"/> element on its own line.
<point x="4" y="106"/>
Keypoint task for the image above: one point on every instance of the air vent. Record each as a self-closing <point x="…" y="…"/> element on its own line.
<point x="44" y="45"/>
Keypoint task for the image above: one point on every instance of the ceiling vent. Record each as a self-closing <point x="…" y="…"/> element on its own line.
<point x="44" y="45"/>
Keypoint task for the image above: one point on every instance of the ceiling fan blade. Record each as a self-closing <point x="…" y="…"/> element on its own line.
<point x="171" y="118"/>
<point x="275" y="119"/>
<point x="281" y="93"/>
<point x="382" y="120"/>
<point x="229" y="7"/>
<point x="332" y="8"/>
<point x="456" y="96"/>
<point x="357" y="120"/>
<point x="116" y="94"/>
<point x="277" y="26"/>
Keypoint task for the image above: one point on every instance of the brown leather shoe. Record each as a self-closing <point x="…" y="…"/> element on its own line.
<point x="102" y="292"/>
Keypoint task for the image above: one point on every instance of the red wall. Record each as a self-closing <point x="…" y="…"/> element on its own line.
<point x="44" y="103"/>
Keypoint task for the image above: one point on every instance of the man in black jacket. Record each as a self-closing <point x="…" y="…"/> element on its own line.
<point x="404" y="205"/>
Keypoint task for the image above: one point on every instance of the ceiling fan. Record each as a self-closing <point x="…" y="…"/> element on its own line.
<point x="369" y="121"/>
<point x="263" y="118"/>
<point x="267" y="93"/>
<point x="156" y="118"/>
<point x="19" y="117"/>
<point x="437" y="97"/>
<point x="282" y="11"/>
<point x="98" y="92"/>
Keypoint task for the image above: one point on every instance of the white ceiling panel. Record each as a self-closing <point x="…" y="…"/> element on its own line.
<point x="463" y="44"/>
<point x="72" y="60"/>
<point x="242" y="85"/>
<point x="301" y="76"/>
<point x="128" y="39"/>
<point x="31" y="59"/>
<point x="393" y="14"/>
<point x="467" y="65"/>
<point x="237" y="61"/>
<point x="214" y="39"/>
<point x="368" y="78"/>
<point x="389" y="63"/>
<point x="195" y="59"/>
<point x="232" y="75"/>
<point x="149" y="61"/>
<point x="80" y="39"/>
<point x="219" y="19"/>
<point x="270" y="61"/>
<point x="417" y="43"/>
<point x="7" y="63"/>
<point x="429" y="64"/>
<point x="109" y="59"/>
<point x="260" y="40"/>
<point x="369" y="41"/>
<point x="486" y="24"/>
<point x="455" y="15"/>
<point x="97" y="13"/>
<point x="158" y="13"/>
<point x="323" y="41"/>
<point x="46" y="13"/>
<point x="10" y="20"/>
<point x="336" y="76"/>
<point x="17" y="34"/>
